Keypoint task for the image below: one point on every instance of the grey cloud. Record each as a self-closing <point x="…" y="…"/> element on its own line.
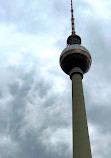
<point x="22" y="90"/>
<point x="42" y="88"/>
<point x="1" y="94"/>
<point x="26" y="16"/>
<point x="29" y="147"/>
<point x="25" y="136"/>
<point x="101" y="116"/>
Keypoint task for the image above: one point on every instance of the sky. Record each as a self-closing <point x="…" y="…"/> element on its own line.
<point x="35" y="94"/>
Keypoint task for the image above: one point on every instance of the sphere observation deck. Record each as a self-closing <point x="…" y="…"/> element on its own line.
<point x="75" y="55"/>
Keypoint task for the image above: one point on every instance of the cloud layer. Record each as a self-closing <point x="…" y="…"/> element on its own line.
<point x="35" y="95"/>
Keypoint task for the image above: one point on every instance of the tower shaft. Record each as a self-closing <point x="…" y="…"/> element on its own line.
<point x="81" y="143"/>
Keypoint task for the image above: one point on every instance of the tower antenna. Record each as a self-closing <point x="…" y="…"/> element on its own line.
<point x="72" y="20"/>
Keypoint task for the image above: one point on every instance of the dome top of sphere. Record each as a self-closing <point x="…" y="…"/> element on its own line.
<point x="74" y="47"/>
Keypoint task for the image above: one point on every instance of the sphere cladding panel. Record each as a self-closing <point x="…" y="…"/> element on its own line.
<point x="75" y="56"/>
<point x="74" y="47"/>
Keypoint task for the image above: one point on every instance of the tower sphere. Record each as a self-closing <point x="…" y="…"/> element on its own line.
<point x="75" y="55"/>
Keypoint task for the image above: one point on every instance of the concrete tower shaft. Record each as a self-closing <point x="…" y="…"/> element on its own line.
<point x="81" y="143"/>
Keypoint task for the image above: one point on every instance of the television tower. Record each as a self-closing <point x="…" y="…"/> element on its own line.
<point x="75" y="61"/>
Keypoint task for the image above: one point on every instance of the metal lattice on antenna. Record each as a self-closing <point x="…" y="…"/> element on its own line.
<point x="73" y="38"/>
<point x="72" y="20"/>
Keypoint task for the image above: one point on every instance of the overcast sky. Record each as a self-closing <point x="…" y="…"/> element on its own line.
<point x="35" y="94"/>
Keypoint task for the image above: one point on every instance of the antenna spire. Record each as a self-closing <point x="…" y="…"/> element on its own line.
<point x="72" y="20"/>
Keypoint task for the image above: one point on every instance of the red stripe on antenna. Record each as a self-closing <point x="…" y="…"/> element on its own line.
<point x="72" y="20"/>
